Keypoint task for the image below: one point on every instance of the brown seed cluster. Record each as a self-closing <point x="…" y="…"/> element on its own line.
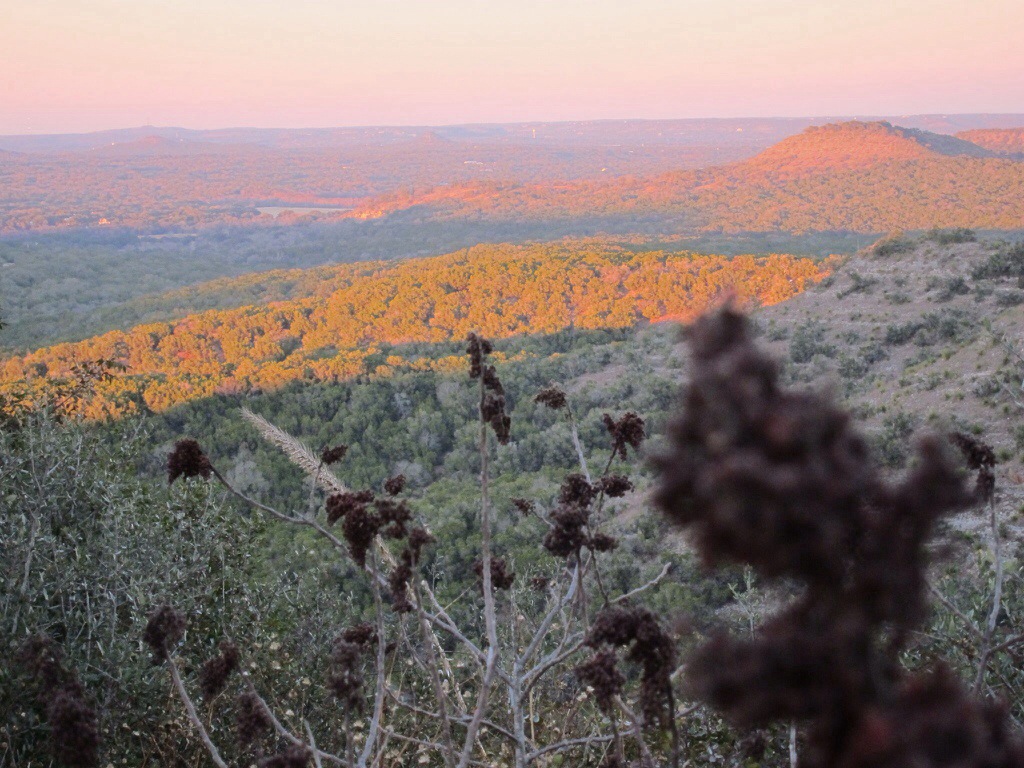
<point x="73" y="723"/>
<point x="650" y="647"/>
<point x="290" y="757"/>
<point x="492" y="411"/>
<point x="615" y="486"/>
<point x="982" y="460"/>
<point x="539" y="583"/>
<point x="394" y="485"/>
<point x="931" y="721"/>
<point x="408" y="559"/>
<point x="251" y="719"/>
<point x="525" y="507"/>
<point x="363" y="516"/>
<point x="477" y="350"/>
<point x="628" y="431"/>
<point x="213" y="677"/>
<point x="553" y="397"/>
<point x="782" y="481"/>
<point x="602" y="542"/>
<point x="165" y="628"/>
<point x="601" y="672"/>
<point x="340" y="504"/>
<point x="188" y="460"/>
<point x="501" y="576"/>
<point x="569" y="531"/>
<point x="333" y="454"/>
<point x="345" y="672"/>
<point x="492" y="404"/>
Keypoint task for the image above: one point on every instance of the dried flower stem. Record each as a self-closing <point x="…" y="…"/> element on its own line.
<point x="490" y="612"/>
<point x="378" y="695"/>
<point x="193" y="716"/>
<point x="448" y="750"/>
<point x="997" y="599"/>
<point x="291" y="738"/>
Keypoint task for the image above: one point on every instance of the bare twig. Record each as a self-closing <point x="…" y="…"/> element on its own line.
<point x="997" y="599"/>
<point x="490" y="612"/>
<point x="647" y="758"/>
<point x="193" y="716"/>
<point x="949" y="606"/>
<point x="290" y="737"/>
<point x="559" y="746"/>
<point x="378" y="694"/>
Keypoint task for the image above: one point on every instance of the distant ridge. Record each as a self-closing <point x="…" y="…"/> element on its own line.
<point x="854" y="145"/>
<point x="152" y="146"/>
<point x="1004" y="141"/>
<point x="690" y="131"/>
<point x="853" y="176"/>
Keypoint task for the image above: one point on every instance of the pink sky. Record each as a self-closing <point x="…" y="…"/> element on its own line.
<point x="80" y="65"/>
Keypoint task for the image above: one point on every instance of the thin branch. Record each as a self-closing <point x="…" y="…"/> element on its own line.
<point x="378" y="695"/>
<point x="997" y="599"/>
<point x="193" y="716"/>
<point x="644" y="587"/>
<point x="288" y="735"/>
<point x="567" y="744"/>
<point x="947" y="603"/>
<point x="576" y="442"/>
<point x="435" y="678"/>
<point x="638" y="734"/>
<point x="312" y="745"/>
<point x="490" y="611"/>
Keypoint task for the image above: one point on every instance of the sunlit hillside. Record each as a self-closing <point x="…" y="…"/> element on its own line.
<point x="498" y="290"/>
<point x="862" y="177"/>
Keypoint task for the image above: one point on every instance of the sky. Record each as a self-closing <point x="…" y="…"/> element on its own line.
<point x="77" y="65"/>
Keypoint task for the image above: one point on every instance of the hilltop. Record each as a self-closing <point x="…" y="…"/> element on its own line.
<point x="856" y="145"/>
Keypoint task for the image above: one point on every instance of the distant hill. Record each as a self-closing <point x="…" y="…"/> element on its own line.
<point x="358" y="309"/>
<point x="855" y="176"/>
<point x="856" y="145"/>
<point x="1006" y="141"/>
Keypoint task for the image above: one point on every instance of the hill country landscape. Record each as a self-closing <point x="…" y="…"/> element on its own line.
<point x="532" y="385"/>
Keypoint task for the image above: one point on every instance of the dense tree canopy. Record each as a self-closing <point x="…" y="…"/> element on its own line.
<point x="336" y="334"/>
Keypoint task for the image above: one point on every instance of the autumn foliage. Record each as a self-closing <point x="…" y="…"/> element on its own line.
<point x="500" y="291"/>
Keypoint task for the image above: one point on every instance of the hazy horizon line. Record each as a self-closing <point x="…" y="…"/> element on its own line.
<point x="837" y="116"/>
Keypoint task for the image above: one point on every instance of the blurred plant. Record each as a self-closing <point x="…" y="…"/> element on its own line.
<point x="780" y="480"/>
